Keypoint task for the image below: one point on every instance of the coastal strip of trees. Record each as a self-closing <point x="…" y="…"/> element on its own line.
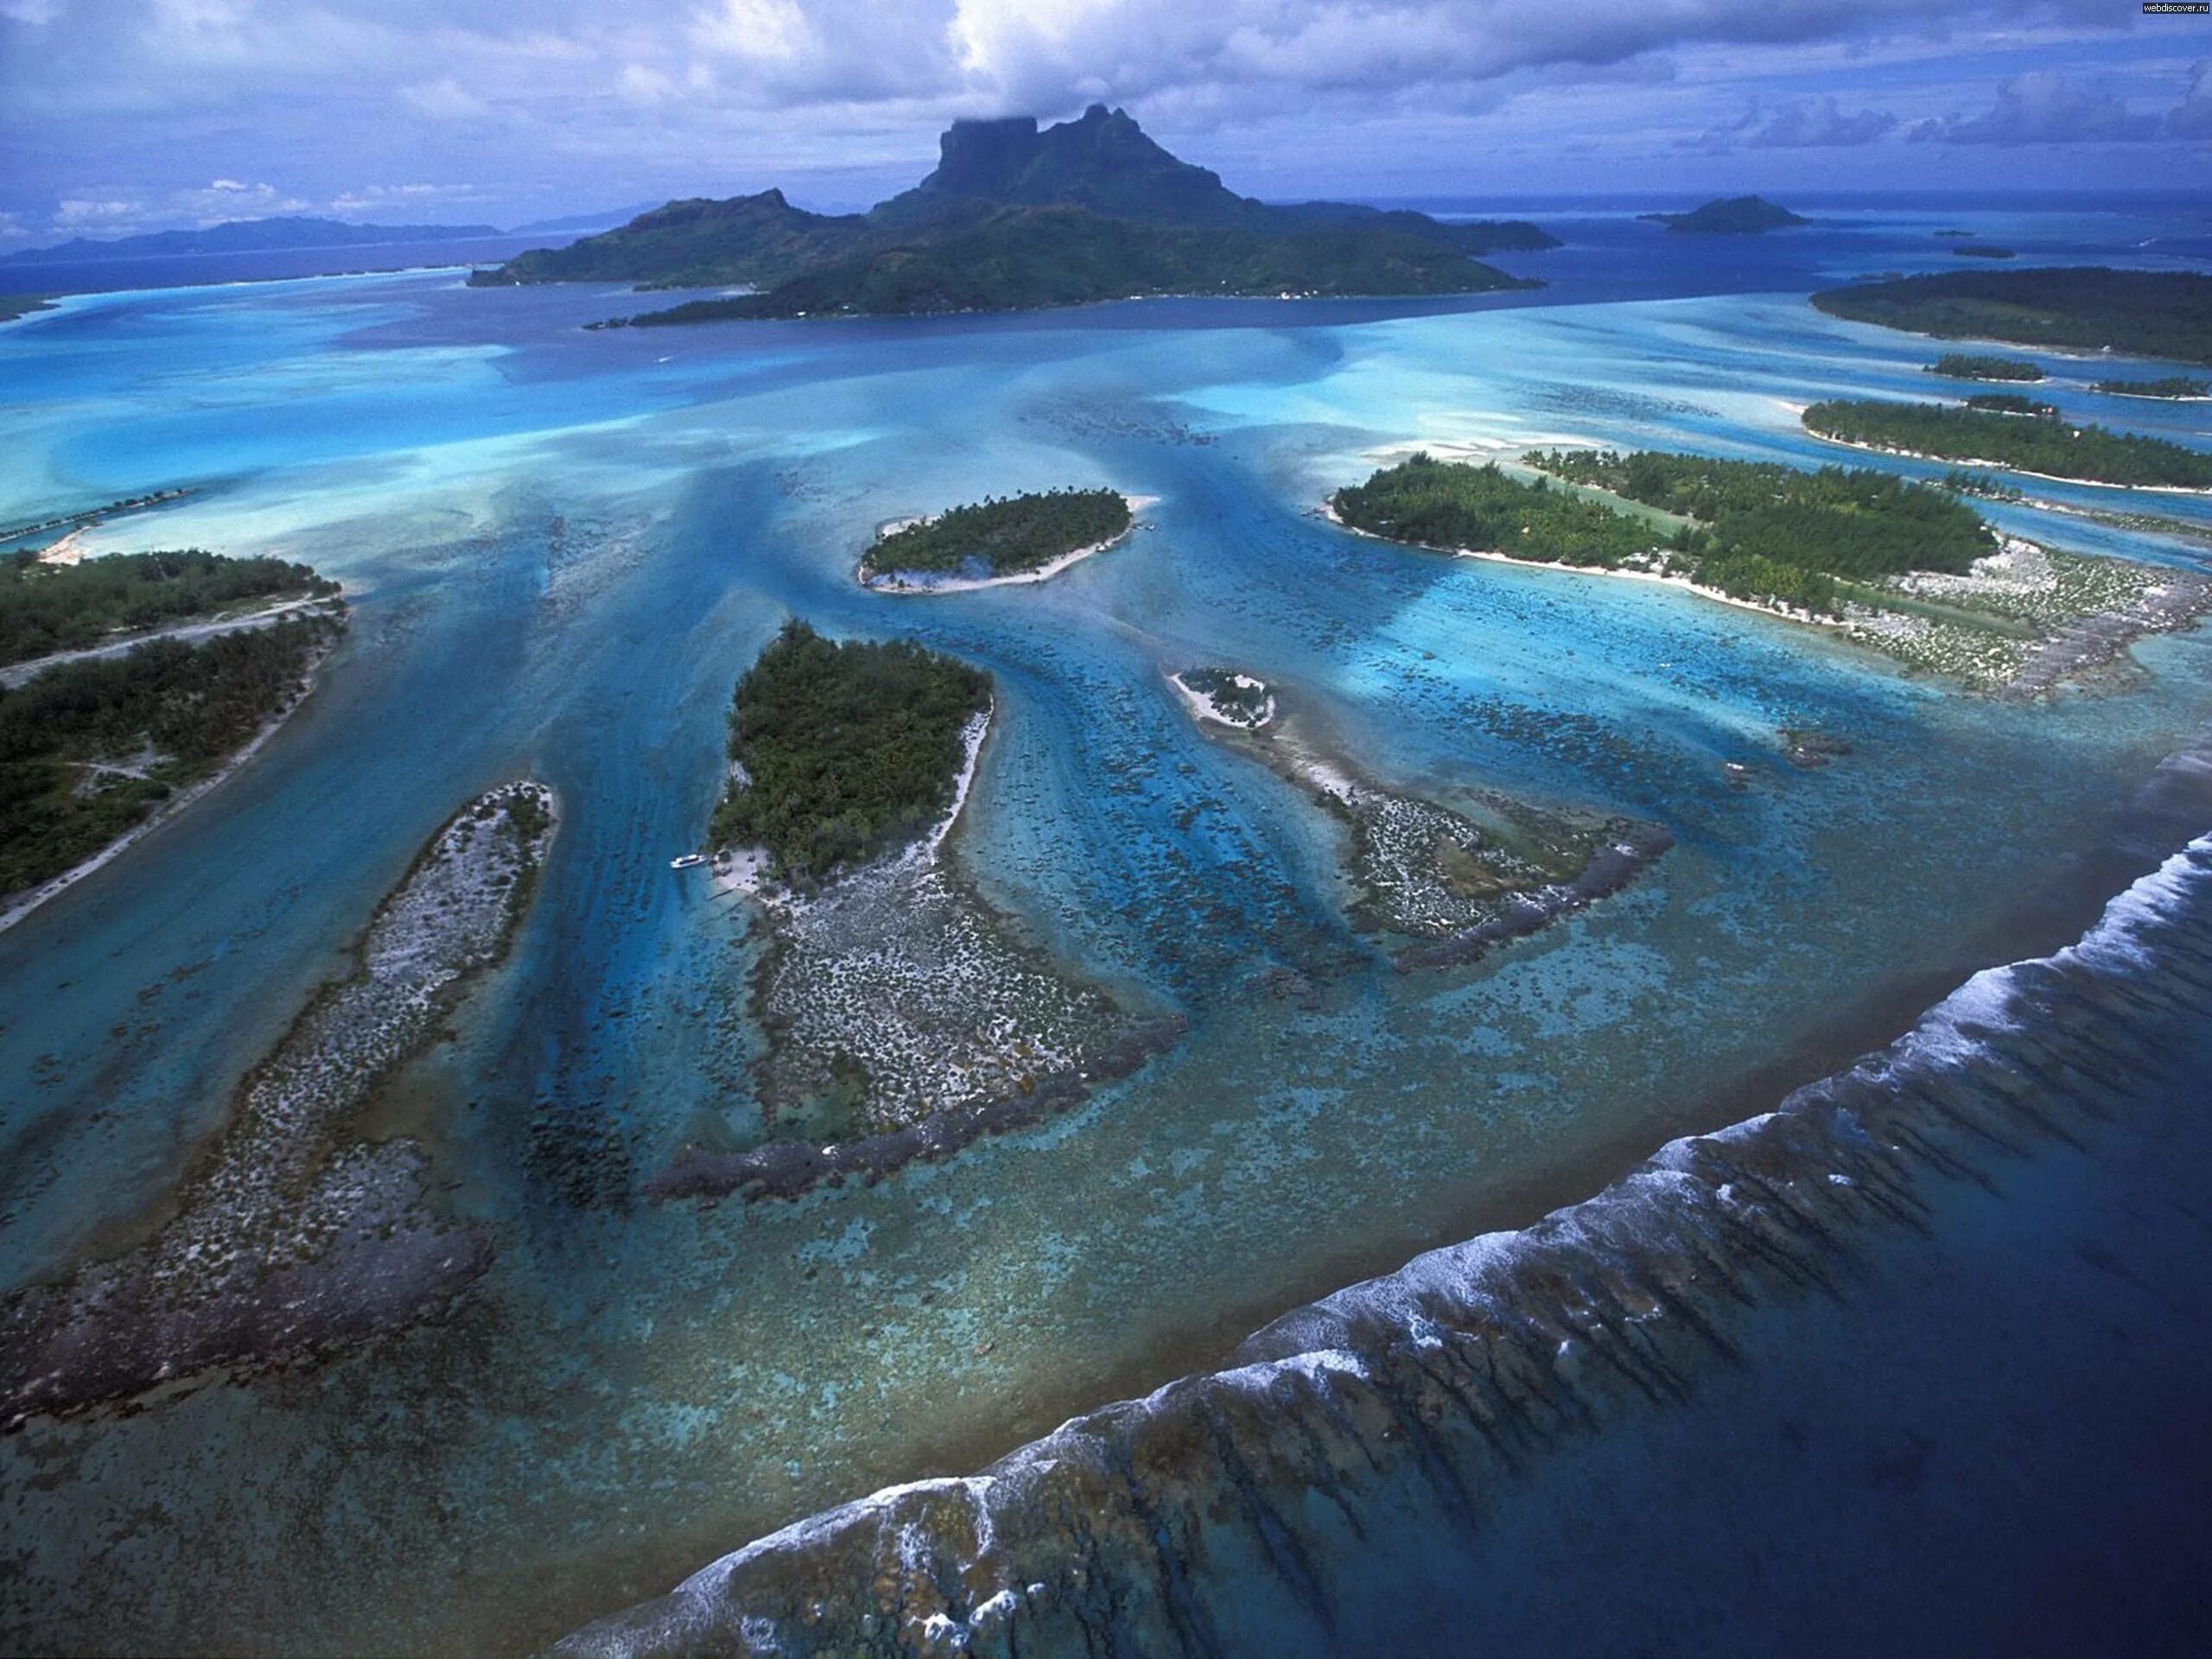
<point x="2162" y="314"/>
<point x="1968" y="366"/>
<point x="995" y="538"/>
<point x="2010" y="403"/>
<point x="45" y="608"/>
<point x="2172" y="385"/>
<point x="89" y="749"/>
<point x="2056" y="447"/>
<point x="845" y="750"/>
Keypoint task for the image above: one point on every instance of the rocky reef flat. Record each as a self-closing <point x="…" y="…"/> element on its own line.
<point x="905" y="1016"/>
<point x="1214" y="1515"/>
<point x="2027" y="619"/>
<point x="1446" y="883"/>
<point x="286" y="1237"/>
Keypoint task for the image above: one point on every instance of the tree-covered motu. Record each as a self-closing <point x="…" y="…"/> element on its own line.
<point x="993" y="537"/>
<point x="2056" y="447"/>
<point x="848" y="750"/>
<point x="1756" y="531"/>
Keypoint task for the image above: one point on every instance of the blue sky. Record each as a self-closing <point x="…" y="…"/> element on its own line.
<point x="118" y="116"/>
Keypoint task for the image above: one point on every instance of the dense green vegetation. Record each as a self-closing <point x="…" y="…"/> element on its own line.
<point x="2173" y="385"/>
<point x="1014" y="218"/>
<point x="997" y="538"/>
<point x="1988" y="485"/>
<point x="1729" y="216"/>
<point x="1758" y="531"/>
<point x="850" y="749"/>
<point x="1967" y="366"/>
<point x="2057" y="448"/>
<point x="1451" y="503"/>
<point x="1025" y="257"/>
<point x="2010" y="403"/>
<point x="1850" y="521"/>
<point x="49" y="607"/>
<point x="2151" y="313"/>
<point x="88" y="749"/>
<point x="21" y="305"/>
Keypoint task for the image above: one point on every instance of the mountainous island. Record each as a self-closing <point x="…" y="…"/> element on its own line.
<point x="1016" y="217"/>
<point x="2091" y="307"/>
<point x="244" y="236"/>
<point x="1729" y="216"/>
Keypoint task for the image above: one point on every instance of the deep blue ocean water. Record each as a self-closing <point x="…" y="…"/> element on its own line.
<point x="562" y="548"/>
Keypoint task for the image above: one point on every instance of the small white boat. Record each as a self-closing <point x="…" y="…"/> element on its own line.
<point x="687" y="861"/>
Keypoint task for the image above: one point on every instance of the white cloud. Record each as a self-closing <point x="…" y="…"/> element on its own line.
<point x="445" y="99"/>
<point x="2192" y="117"/>
<point x="568" y="97"/>
<point x="755" y="29"/>
<point x="638" y="85"/>
<point x="2044" y="107"/>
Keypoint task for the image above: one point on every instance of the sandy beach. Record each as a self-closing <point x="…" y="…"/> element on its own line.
<point x="745" y="870"/>
<point x="1489" y="556"/>
<point x="1203" y="708"/>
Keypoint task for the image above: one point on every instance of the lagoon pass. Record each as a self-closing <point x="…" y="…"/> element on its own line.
<point x="1646" y="1277"/>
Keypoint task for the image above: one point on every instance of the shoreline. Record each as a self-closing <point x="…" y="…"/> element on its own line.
<point x="54" y="887"/>
<point x="1202" y="707"/>
<point x="1790" y="1183"/>
<point x="745" y="870"/>
<point x="292" y="1233"/>
<point x="2002" y="466"/>
<point x="1682" y="584"/>
<point x="894" y="913"/>
<point x="887" y="582"/>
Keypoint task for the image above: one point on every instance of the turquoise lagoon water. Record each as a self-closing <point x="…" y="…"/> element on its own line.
<point x="562" y="548"/>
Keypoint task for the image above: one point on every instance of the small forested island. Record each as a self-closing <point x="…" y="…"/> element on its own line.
<point x="1025" y="537"/>
<point x="47" y="607"/>
<point x="1902" y="569"/>
<point x="2010" y="403"/>
<point x="843" y="751"/>
<point x="1755" y="532"/>
<point x="1228" y="695"/>
<point x="1982" y="251"/>
<point x="905" y="1015"/>
<point x="1967" y="366"/>
<point x="1729" y="216"/>
<point x="1016" y="218"/>
<point x="2178" y="387"/>
<point x="91" y="750"/>
<point x="2047" y="446"/>
<point x="2149" y="312"/>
